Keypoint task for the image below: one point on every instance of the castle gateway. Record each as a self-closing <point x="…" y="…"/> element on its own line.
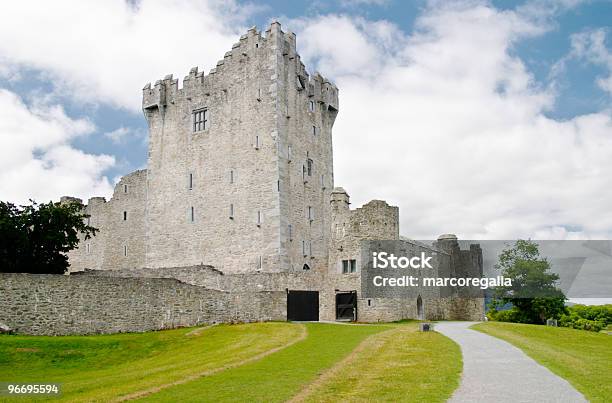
<point x="239" y="196"/>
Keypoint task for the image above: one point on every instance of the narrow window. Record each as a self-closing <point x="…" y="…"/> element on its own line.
<point x="200" y="120"/>
<point x="87" y="248"/>
<point x="306" y="267"/>
<point x="259" y="94"/>
<point x="124" y="188"/>
<point x="323" y="182"/>
<point x="259" y="218"/>
<point x="278" y="185"/>
<point x="256" y="45"/>
<point x="231" y="176"/>
<point x="257" y="144"/>
<point x="124" y="250"/>
<point x="289" y="156"/>
<point x="304" y="248"/>
<point x="311" y="106"/>
<point x="125" y="216"/>
<point x="310" y="213"/>
<point x="231" y="212"/>
<point x="290" y="229"/>
<point x="192" y="213"/>
<point x="352" y="265"/>
<point x="345" y="266"/>
<point x="309" y="164"/>
<point x="259" y="262"/>
<point x="369" y="302"/>
<point x="190" y="181"/>
<point x="314" y="130"/>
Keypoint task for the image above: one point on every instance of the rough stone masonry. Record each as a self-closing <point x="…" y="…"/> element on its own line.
<point x="240" y="178"/>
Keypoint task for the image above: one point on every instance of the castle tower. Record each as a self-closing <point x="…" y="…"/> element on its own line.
<point x="240" y="162"/>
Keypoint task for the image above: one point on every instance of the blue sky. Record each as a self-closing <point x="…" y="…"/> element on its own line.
<point x="76" y="71"/>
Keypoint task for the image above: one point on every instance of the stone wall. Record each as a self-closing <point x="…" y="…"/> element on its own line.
<point x="76" y="304"/>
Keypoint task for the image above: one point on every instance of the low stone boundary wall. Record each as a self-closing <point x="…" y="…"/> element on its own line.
<point x="48" y="304"/>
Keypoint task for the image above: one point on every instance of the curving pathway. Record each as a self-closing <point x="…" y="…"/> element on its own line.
<point x="496" y="371"/>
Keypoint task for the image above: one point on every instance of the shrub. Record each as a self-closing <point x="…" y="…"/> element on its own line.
<point x="587" y="317"/>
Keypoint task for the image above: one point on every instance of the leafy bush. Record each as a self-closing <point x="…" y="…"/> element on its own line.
<point x="587" y="317"/>
<point x="509" y="315"/>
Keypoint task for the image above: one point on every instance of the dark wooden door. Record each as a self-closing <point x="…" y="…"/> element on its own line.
<point x="302" y="305"/>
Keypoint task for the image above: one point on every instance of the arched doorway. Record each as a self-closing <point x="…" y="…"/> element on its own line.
<point x="420" y="310"/>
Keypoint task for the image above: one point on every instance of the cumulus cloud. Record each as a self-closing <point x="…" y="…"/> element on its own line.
<point x="104" y="52"/>
<point x="448" y="123"/>
<point x="36" y="158"/>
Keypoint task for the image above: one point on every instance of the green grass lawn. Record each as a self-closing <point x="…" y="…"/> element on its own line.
<point x="104" y="367"/>
<point x="279" y="376"/>
<point x="582" y="358"/>
<point x="251" y="362"/>
<point x="400" y="365"/>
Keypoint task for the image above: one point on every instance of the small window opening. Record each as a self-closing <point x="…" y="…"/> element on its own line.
<point x="369" y="302"/>
<point x="349" y="266"/>
<point x="231" y="211"/>
<point x="231" y="176"/>
<point x="311" y="105"/>
<point x="290" y="229"/>
<point x="124" y="188"/>
<point x="314" y="130"/>
<point x="190" y="181"/>
<point x="257" y="143"/>
<point x="259" y="94"/>
<point x="124" y="250"/>
<point x="289" y="153"/>
<point x="200" y="120"/>
<point x="310" y="213"/>
<point x="259" y="218"/>
<point x="125" y="216"/>
<point x="309" y="164"/>
<point x="192" y="212"/>
<point x="88" y="248"/>
<point x="306" y="267"/>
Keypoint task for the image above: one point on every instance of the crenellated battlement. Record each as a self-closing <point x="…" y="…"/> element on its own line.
<point x="274" y="41"/>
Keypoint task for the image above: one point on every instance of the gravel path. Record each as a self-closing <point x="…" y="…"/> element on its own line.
<point x="496" y="371"/>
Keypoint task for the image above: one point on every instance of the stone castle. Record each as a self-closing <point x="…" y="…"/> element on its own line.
<point x="239" y="196"/>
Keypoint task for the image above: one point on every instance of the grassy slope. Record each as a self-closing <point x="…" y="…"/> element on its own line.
<point x="394" y="363"/>
<point x="279" y="376"/>
<point x="582" y="358"/>
<point x="401" y="365"/>
<point x="101" y="367"/>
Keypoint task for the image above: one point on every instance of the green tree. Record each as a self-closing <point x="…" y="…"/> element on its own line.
<point x="533" y="294"/>
<point x="35" y="238"/>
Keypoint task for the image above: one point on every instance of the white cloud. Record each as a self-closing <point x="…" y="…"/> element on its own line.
<point x="36" y="158"/>
<point x="106" y="51"/>
<point x="449" y="124"/>
<point x="119" y="135"/>
<point x="590" y="45"/>
<point x="357" y="3"/>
